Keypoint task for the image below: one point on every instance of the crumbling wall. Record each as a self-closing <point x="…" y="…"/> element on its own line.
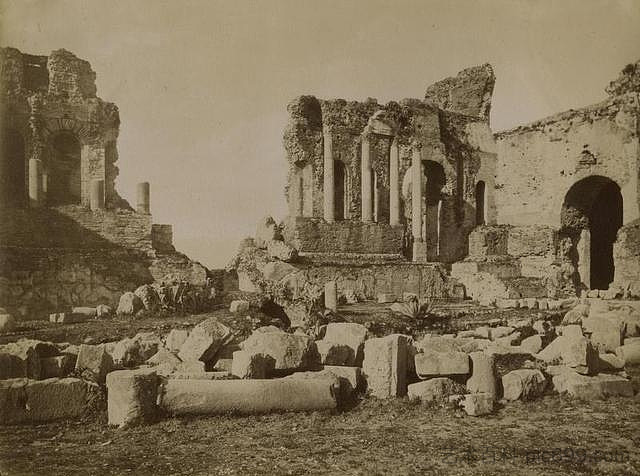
<point x="468" y="93"/>
<point x="539" y="162"/>
<point x="626" y="254"/>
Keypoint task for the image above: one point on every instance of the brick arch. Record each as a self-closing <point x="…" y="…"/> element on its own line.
<point x="53" y="126"/>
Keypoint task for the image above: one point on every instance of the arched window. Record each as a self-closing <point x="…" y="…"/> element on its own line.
<point x="480" y="203"/>
<point x="65" y="181"/>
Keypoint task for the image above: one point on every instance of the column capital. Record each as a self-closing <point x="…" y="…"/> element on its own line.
<point x="366" y="134"/>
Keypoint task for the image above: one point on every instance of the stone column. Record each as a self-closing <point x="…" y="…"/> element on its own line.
<point x="97" y="194"/>
<point x="35" y="183"/>
<point x="45" y="187"/>
<point x="328" y="189"/>
<point x="365" y="172"/>
<point x="143" y="198"/>
<point x="584" y="258"/>
<point x="419" y="248"/>
<point x="394" y="185"/>
<point x="331" y="295"/>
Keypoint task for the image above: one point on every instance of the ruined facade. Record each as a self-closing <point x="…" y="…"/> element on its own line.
<point x="67" y="237"/>
<point x="546" y="209"/>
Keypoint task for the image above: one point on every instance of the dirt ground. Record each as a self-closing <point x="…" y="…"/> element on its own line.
<point x="554" y="435"/>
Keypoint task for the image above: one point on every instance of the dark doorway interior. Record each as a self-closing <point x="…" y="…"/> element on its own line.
<point x="64" y="182"/>
<point x="13" y="171"/>
<point x="595" y="203"/>
<point x="605" y="219"/>
<point x="480" y="187"/>
<point x="340" y="182"/>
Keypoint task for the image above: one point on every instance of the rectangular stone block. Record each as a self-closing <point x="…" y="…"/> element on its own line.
<point x="385" y="365"/>
<point x="132" y="396"/>
<point x="434" y="364"/>
<point x="59" y="366"/>
<point x="204" y="341"/>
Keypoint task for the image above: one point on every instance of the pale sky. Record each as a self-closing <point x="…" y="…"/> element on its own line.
<point x="202" y="86"/>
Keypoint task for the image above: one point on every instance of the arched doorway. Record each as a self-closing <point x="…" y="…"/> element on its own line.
<point x="64" y="185"/>
<point x="480" y="203"/>
<point x="13" y="170"/>
<point x="592" y="210"/>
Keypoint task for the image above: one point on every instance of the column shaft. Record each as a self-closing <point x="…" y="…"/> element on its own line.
<point x="365" y="169"/>
<point x="96" y="197"/>
<point x="328" y="190"/>
<point x="35" y="182"/>
<point x="143" y="198"/>
<point x="394" y="185"/>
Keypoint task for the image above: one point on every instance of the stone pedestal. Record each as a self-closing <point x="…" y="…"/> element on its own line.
<point x="97" y="194"/>
<point x="143" y="203"/>
<point x="328" y="190"/>
<point x="385" y="365"/>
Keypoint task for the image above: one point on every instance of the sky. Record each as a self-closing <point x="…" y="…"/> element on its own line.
<point x="202" y="86"/>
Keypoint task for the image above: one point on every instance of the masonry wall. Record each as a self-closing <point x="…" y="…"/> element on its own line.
<point x="75" y="227"/>
<point x="538" y="163"/>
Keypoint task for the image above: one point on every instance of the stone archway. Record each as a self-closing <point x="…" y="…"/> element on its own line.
<point x="13" y="170"/>
<point x="592" y="214"/>
<point x="64" y="171"/>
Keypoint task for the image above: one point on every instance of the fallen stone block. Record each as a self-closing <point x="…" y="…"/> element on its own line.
<point x="575" y="315"/>
<point x="385" y="298"/>
<point x="507" y="303"/>
<point x="27" y="354"/>
<point x="7" y="323"/>
<point x="483" y="332"/>
<point x="164" y="357"/>
<point x="350" y="334"/>
<point x="543" y="304"/>
<point x="125" y="353"/>
<point x="478" y="404"/>
<point x="353" y="375"/>
<point x="609" y="363"/>
<point x="335" y="354"/>
<point x="385" y="365"/>
<point x="282" y="251"/>
<point x="520" y="322"/>
<point x="215" y="397"/>
<point x="59" y="366"/>
<point x="500" y="331"/>
<point x="83" y="313"/>
<point x="216" y="375"/>
<point x="629" y="353"/>
<point x="249" y="365"/>
<point x="204" y="341"/>
<point x="592" y="387"/>
<point x="224" y="364"/>
<point x="95" y="360"/>
<point x="149" y="297"/>
<point x="483" y="374"/>
<point x="175" y="339"/>
<point x="553" y="351"/>
<point x="103" y="311"/>
<point x="508" y="340"/>
<point x="290" y="351"/>
<point x="431" y="364"/>
<point x="523" y="384"/>
<point x="30" y="401"/>
<point x="239" y="307"/>
<point x="532" y="344"/>
<point x="132" y="396"/>
<point x="579" y="354"/>
<point x="129" y="304"/>
<point x="149" y="343"/>
<point x="438" y="389"/>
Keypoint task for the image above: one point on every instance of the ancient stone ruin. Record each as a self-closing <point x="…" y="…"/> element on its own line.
<point x="67" y="237"/>
<point x="424" y="256"/>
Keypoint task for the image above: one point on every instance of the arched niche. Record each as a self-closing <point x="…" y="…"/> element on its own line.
<point x="64" y="170"/>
